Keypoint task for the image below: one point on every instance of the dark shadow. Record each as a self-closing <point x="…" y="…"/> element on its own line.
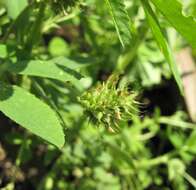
<point x="17" y="67"/>
<point x="6" y="91"/>
<point x="166" y="97"/>
<point x="70" y="71"/>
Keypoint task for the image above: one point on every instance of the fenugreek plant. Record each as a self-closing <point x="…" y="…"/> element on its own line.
<point x="24" y="26"/>
<point x="53" y="55"/>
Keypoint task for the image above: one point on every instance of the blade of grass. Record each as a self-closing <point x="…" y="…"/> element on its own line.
<point x="162" y="42"/>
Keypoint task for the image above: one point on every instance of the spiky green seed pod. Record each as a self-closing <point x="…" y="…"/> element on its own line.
<point x="62" y="5"/>
<point x="109" y="104"/>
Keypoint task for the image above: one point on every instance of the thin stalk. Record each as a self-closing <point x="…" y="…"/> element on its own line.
<point x="36" y="28"/>
<point x="18" y="160"/>
<point x="129" y="55"/>
<point x="50" y="172"/>
<point x="190" y="179"/>
<point x="176" y="123"/>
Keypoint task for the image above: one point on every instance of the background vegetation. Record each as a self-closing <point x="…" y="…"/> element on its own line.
<point x="67" y="124"/>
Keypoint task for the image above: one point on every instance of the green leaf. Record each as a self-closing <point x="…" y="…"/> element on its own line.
<point x="72" y="64"/>
<point x="121" y="20"/>
<point x="15" y="7"/>
<point x="172" y="10"/>
<point x="3" y="51"/>
<point x="31" y="113"/>
<point x="48" y="69"/>
<point x="162" y="42"/>
<point x="191" y="142"/>
<point x="58" y="47"/>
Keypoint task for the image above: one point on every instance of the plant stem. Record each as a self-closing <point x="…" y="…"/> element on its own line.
<point x="190" y="179"/>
